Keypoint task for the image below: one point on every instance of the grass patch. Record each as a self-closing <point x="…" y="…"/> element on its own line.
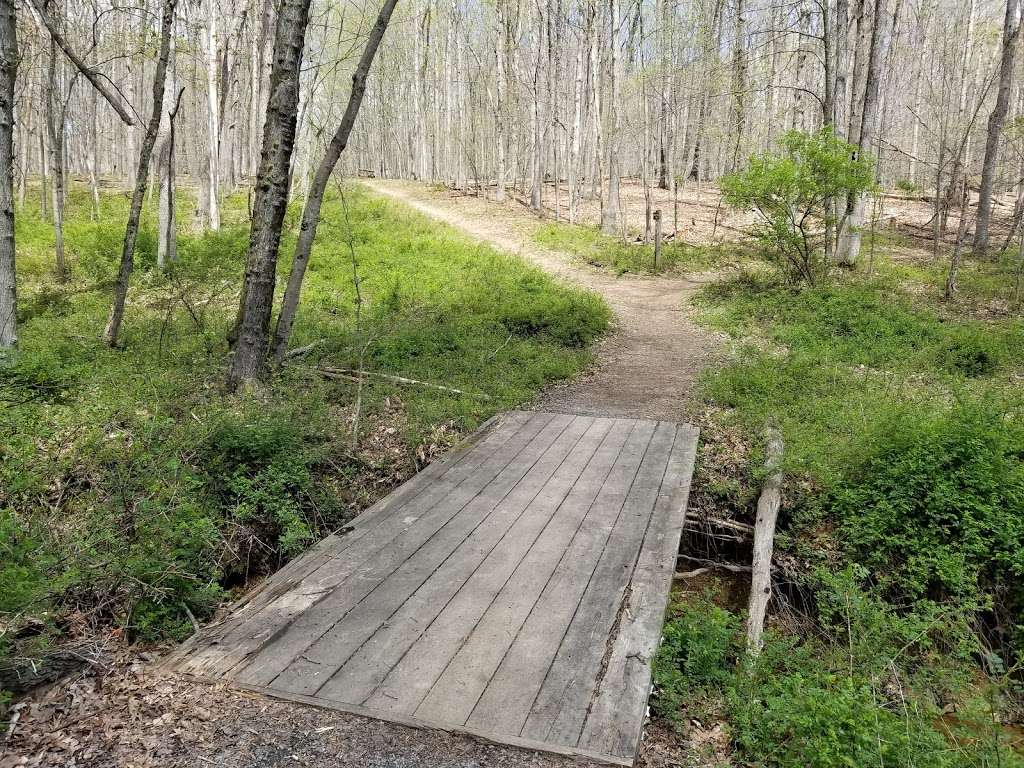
<point x="817" y="704"/>
<point x="904" y="510"/>
<point x="132" y="491"/>
<point x="836" y="364"/>
<point x="589" y="244"/>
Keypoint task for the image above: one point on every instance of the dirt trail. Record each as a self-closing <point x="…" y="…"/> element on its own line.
<point x="647" y="367"/>
<point x="127" y="716"/>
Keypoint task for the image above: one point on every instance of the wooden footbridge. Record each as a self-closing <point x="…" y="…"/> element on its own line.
<point x="514" y="590"/>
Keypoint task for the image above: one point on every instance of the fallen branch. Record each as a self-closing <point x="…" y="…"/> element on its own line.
<point x="740" y="531"/>
<point x="353" y="375"/>
<point x="93" y="76"/>
<point x="299" y="351"/>
<point x="764" y="542"/>
<point x="711" y="564"/>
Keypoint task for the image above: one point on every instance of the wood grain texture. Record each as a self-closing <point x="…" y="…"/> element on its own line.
<point x="514" y="591"/>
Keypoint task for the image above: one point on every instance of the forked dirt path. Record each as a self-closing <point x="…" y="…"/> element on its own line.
<point x="647" y="367"/>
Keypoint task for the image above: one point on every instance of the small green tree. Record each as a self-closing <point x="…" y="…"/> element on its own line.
<point x="794" y="194"/>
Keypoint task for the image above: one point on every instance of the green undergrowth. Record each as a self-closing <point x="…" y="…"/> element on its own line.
<point x="589" y="244"/>
<point x="134" y="492"/>
<point x="847" y="697"/>
<point x="904" y="458"/>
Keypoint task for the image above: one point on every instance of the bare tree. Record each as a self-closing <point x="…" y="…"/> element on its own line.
<point x="8" y="74"/>
<point x="249" y="358"/>
<point x="1011" y="30"/>
<point x="131" y="233"/>
<point x="314" y="200"/>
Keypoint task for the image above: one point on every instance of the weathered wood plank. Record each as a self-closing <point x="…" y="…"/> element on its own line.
<point x="408" y="683"/>
<point x="504" y="468"/>
<point x="616" y="716"/>
<point x="502" y="631"/>
<point x="462" y="545"/>
<point x="555" y="675"/>
<point x="514" y="590"/>
<point x="236" y="639"/>
<point x="464" y="572"/>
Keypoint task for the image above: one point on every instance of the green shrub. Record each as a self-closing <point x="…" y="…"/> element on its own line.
<point x="698" y="650"/>
<point x="790" y="193"/>
<point x="970" y="351"/>
<point x="573" y="321"/>
<point x="821" y="720"/>
<point x="937" y="508"/>
<point x="835" y="700"/>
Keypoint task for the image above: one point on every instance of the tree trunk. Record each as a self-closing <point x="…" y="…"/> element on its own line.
<point x="131" y="232"/>
<point x="610" y="211"/>
<point x="167" y="225"/>
<point x="311" y="211"/>
<point x="8" y="73"/>
<point x="1011" y="29"/>
<point x="248" y="363"/>
<point x="864" y="131"/>
<point x="97" y="80"/>
<point x="55" y="131"/>
<point x="213" y="117"/>
<point x="499" y="102"/>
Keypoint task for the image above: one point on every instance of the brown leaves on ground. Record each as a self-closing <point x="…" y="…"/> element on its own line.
<point x="127" y="713"/>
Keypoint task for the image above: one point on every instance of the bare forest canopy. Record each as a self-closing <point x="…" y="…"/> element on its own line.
<point x="555" y="102"/>
<point x="517" y="92"/>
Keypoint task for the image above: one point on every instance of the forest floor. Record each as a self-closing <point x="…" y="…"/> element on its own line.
<point x="837" y="367"/>
<point x="122" y="711"/>
<point x="647" y="366"/>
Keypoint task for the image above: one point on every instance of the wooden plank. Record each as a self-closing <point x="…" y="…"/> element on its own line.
<point x="460" y="575"/>
<point x="556" y="675"/>
<point x="234" y="641"/>
<point x="616" y="717"/>
<point x="514" y="591"/>
<point x="456" y="692"/>
<point x="461" y="545"/>
<point x="504" y="469"/>
<point x="412" y="677"/>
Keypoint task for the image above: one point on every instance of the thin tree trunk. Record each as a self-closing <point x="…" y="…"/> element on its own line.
<point x="55" y="130"/>
<point x="213" y="115"/>
<point x="113" y="328"/>
<point x="8" y="74"/>
<point x="499" y="102"/>
<point x="248" y="363"/>
<point x="1011" y="29"/>
<point x="850" y="237"/>
<point x="167" y="225"/>
<point x="610" y="211"/>
<point x="90" y="74"/>
<point x="314" y="201"/>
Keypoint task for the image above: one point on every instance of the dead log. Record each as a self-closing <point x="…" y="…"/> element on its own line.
<point x="354" y="375"/>
<point x="764" y="541"/>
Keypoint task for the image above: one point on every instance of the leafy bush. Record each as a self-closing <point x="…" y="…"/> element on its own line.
<point x="937" y="508"/>
<point x="819" y="720"/>
<point x="261" y="467"/>
<point x="970" y="351"/>
<point x="791" y="194"/>
<point x="573" y="321"/>
<point x="824" y="704"/>
<point x="698" y="649"/>
<point x="907" y="187"/>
